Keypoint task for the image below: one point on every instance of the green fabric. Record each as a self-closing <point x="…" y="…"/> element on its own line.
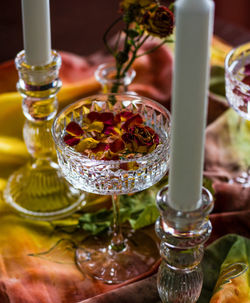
<point x="219" y="255"/>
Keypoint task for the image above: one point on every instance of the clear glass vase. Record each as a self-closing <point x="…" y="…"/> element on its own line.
<point x="106" y="76"/>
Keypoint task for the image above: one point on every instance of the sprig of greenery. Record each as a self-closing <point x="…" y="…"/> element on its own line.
<point x="138" y="210"/>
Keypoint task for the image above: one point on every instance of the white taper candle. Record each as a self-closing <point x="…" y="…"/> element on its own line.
<point x="36" y="31"/>
<point x="194" y="27"/>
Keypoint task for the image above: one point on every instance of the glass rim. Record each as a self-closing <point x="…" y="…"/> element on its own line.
<point x="227" y="66"/>
<point x="131" y="73"/>
<point x="204" y="207"/>
<point x="69" y="151"/>
<point x="20" y="62"/>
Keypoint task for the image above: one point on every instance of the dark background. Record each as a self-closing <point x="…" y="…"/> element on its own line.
<point x="78" y="25"/>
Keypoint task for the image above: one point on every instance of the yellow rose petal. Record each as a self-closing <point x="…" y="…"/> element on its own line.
<point x="96" y="126"/>
<point x="86" y="143"/>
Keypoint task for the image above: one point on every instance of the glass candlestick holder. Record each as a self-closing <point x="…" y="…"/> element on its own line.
<point x="38" y="190"/>
<point x="182" y="235"/>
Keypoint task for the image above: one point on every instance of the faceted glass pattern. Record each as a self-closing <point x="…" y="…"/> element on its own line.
<point x="106" y="176"/>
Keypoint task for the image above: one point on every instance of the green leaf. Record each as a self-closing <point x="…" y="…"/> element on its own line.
<point x="147" y="217"/>
<point x="132" y="33"/>
<point x="138" y="209"/>
<point x="96" y="222"/>
<point x="95" y="228"/>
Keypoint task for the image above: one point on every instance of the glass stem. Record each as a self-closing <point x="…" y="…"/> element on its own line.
<point x="117" y="242"/>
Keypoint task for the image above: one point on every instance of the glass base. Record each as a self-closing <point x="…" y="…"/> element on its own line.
<point x="243" y="179"/>
<point x="97" y="258"/>
<point x="38" y="191"/>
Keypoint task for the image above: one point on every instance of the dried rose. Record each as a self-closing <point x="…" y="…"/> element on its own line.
<point x="140" y="139"/>
<point x="125" y="4"/>
<point x="112" y="137"/>
<point x="159" y="23"/>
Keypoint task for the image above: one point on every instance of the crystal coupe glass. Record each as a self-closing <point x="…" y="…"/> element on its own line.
<point x="116" y="256"/>
<point x="237" y="77"/>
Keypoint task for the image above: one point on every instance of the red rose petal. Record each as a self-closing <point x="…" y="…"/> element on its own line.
<point x="107" y="118"/>
<point x="70" y="140"/>
<point x="247" y="69"/>
<point x="246" y="79"/>
<point x="117" y="146"/>
<point x="101" y="147"/>
<point x="92" y="116"/>
<point x="74" y="129"/>
<point x="108" y="130"/>
<point x="134" y="120"/>
<point x="237" y="91"/>
<point x="150" y="130"/>
<point x="127" y="138"/>
<point x="123" y="116"/>
<point x="156" y="139"/>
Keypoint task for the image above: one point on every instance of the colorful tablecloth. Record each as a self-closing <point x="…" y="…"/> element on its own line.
<point x="37" y="259"/>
